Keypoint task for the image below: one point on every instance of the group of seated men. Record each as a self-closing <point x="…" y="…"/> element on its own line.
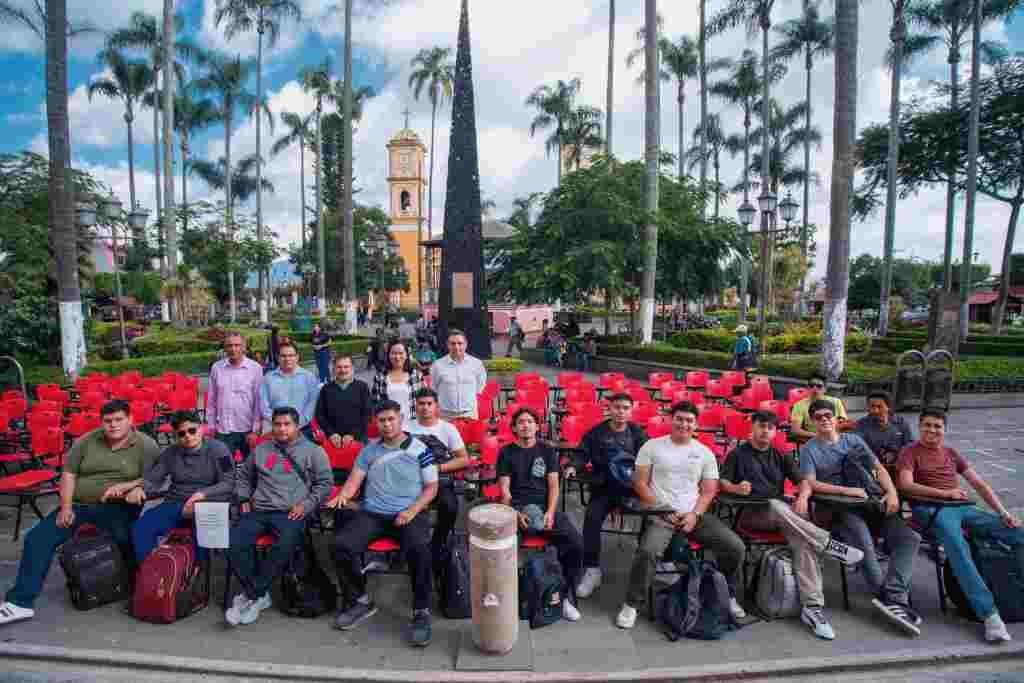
<point x="287" y="479"/>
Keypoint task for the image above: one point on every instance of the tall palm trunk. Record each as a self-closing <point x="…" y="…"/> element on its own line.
<point x="63" y="232"/>
<point x="262" y="274"/>
<point x="718" y="170"/>
<point x="609" y="100"/>
<point x="954" y="99"/>
<point x="229" y="209"/>
<point x="651" y="143"/>
<point x="899" y="34"/>
<point x="170" y="227"/>
<point x="805" y="227"/>
<point x="347" y="238"/>
<point x="843" y="163"/>
<point x="1004" y="287"/>
<point x="302" y="190"/>
<point x="158" y="187"/>
<point x="766" y="253"/>
<point x="321" y="248"/>
<point x="745" y="262"/>
<point x="433" y="140"/>
<point x="681" y="100"/>
<point x="972" y="171"/>
<point x="184" y="181"/>
<point x="703" y="67"/>
<point x="129" y="117"/>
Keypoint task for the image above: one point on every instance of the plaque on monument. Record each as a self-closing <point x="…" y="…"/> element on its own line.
<point x="462" y="290"/>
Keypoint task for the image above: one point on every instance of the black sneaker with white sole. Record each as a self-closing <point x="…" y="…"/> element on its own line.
<point x="901" y="615"/>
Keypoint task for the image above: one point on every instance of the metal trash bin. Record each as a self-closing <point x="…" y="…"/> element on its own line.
<point x="938" y="380"/>
<point x="908" y="389"/>
<point x="494" y="577"/>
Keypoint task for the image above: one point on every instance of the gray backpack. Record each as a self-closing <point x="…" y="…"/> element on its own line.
<point x="777" y="594"/>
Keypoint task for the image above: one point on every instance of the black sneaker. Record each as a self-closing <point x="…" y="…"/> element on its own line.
<point x="901" y="615"/>
<point x="419" y="628"/>
<point x="354" y="615"/>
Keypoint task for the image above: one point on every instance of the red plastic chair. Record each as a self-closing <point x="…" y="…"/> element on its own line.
<point x="526" y="378"/>
<point x="143" y="413"/>
<point x="372" y="431"/>
<point x="471" y="431"/>
<point x="779" y="408"/>
<point x="133" y="377"/>
<point x="797" y="394"/>
<point x="711" y="417"/>
<point x="694" y="397"/>
<point x="717" y="389"/>
<point x="656" y="379"/>
<point x="581" y="394"/>
<point x="638" y="394"/>
<point x="83" y="423"/>
<point x="15" y="407"/>
<point x="735" y="378"/>
<point x="47" y="406"/>
<point x="762" y="388"/>
<point x="717" y="449"/>
<point x="43" y="419"/>
<point x="738" y="427"/>
<point x="697" y="379"/>
<point x="572" y="430"/>
<point x="27" y="487"/>
<point x="489" y="449"/>
<point x="592" y="416"/>
<point x="344" y="457"/>
<point x="747" y="400"/>
<point x="484" y="406"/>
<point x="782" y="444"/>
<point x="569" y="378"/>
<point x="605" y="379"/>
<point x="643" y="412"/>
<point x="659" y="425"/>
<point x="11" y="394"/>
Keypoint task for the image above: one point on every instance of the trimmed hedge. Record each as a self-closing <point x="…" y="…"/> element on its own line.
<point x="799" y="341"/>
<point x="172" y="342"/>
<point x="503" y="364"/>
<point x="976" y="345"/>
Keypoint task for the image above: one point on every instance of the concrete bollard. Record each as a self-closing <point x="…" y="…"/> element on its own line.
<point x="494" y="577"/>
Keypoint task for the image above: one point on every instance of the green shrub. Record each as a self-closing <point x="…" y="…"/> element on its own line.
<point x="503" y="365"/>
<point x="798" y="340"/>
<point x="968" y="369"/>
<point x="173" y="341"/>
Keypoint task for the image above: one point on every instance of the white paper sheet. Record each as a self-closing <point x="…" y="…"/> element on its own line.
<point x="213" y="524"/>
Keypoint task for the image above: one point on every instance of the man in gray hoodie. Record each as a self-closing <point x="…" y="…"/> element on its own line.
<point x="280" y="485"/>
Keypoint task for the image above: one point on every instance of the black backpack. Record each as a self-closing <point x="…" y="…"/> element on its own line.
<point x="95" y="569"/>
<point x="306" y="590"/>
<point x="542" y="588"/>
<point x="454" y="579"/>
<point x="696" y="606"/>
<point x="997" y="564"/>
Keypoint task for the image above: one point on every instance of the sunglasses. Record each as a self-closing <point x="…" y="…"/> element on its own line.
<point x="188" y="431"/>
<point x="821" y="417"/>
<point x="816" y="385"/>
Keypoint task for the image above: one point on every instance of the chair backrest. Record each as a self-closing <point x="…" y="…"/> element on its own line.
<point x="80" y="423"/>
<point x="736" y="378"/>
<point x="671" y="387"/>
<point x="133" y="377"/>
<point x="762" y="387"/>
<point x="718" y="389"/>
<point x="656" y="379"/>
<point x="780" y="408"/>
<point x="46" y="406"/>
<point x="569" y="378"/>
<point x="697" y="379"/>
<point x="642" y="412"/>
<point x="343" y="458"/>
<point x="581" y="393"/>
<point x="798" y="394"/>
<point x="526" y="377"/>
<point x="605" y="379"/>
<point x="15" y="407"/>
<point x="659" y="425"/>
<point x="492" y="388"/>
<point x="749" y="400"/>
<point x="5" y="421"/>
<point x="143" y="412"/>
<point x="694" y="397"/>
<point x="489" y="448"/>
<point x="708" y="439"/>
<point x="484" y="406"/>
<point x="711" y="417"/>
<point x="11" y="394"/>
<point x="782" y="444"/>
<point x="738" y="427"/>
<point x="43" y="389"/>
<point x="144" y="395"/>
<point x="48" y="441"/>
<point x="471" y="431"/>
<point x="572" y="429"/>
<point x="638" y="394"/>
<point x="39" y="420"/>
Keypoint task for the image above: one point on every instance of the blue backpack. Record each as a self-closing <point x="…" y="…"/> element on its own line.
<point x="696" y="606"/>
<point x="621" y="466"/>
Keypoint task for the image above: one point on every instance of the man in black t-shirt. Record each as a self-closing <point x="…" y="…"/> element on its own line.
<point x="757" y="470"/>
<point x="528" y="476"/>
<point x="615" y="439"/>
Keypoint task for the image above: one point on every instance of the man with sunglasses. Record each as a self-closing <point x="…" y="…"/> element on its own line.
<point x="842" y="464"/>
<point x="800" y="418"/>
<point x="198" y="468"/>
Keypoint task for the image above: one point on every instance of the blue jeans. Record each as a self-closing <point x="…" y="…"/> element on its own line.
<point x="156" y="522"/>
<point x="980" y="524"/>
<point x="583" y="361"/>
<point x="901" y="541"/>
<point x="323" y="364"/>
<point x="257" y="579"/>
<point x="42" y="541"/>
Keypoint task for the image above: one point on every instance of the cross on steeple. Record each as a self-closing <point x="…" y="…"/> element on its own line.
<point x="406" y="112"/>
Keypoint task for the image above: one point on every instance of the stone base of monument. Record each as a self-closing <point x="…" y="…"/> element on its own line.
<point x="471" y="658"/>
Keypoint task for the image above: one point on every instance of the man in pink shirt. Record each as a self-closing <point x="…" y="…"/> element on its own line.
<point x="232" y="400"/>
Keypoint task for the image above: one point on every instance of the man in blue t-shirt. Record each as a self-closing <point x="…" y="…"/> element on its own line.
<point x="400" y="480"/>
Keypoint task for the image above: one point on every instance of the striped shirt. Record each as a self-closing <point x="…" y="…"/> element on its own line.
<point x="395" y="477"/>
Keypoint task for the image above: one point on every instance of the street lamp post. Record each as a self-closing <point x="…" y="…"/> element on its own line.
<point x="766" y="203"/>
<point x="746" y="213"/>
<point x="787" y="209"/>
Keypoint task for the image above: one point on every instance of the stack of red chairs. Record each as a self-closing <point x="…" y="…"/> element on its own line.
<point x="747" y="400"/>
<point x="694" y="397"/>
<point x="708" y="439"/>
<point x="584" y="392"/>
<point x="734" y="378"/>
<point x="697" y="380"/>
<point x="642" y="412"/>
<point x="781" y="410"/>
<point x="712" y="418"/>
<point x="656" y="379"/>
<point x="572" y="430"/>
<point x="569" y="378"/>
<point x="605" y="379"/>
<point x="668" y="389"/>
<point x="471" y="431"/>
<point x="659" y="425"/>
<point x="762" y="388"/>
<point x="81" y="423"/>
<point x="716" y="389"/>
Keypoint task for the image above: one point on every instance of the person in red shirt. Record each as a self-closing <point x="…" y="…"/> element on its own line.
<point x="929" y="469"/>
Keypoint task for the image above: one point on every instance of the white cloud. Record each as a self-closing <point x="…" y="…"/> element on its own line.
<point x="15" y="37"/>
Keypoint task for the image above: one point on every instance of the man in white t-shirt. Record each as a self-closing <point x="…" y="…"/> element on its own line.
<point x="450" y="455"/>
<point x="678" y="473"/>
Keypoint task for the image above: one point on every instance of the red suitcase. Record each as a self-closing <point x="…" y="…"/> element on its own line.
<point x="170" y="584"/>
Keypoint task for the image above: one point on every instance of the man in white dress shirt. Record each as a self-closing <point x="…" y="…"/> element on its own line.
<point x="458" y="378"/>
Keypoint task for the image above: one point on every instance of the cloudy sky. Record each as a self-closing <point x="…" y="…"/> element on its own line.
<point x="516" y="47"/>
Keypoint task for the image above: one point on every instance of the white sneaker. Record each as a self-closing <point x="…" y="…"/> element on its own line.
<point x="569" y="611"/>
<point x="590" y="582"/>
<point x="736" y="609"/>
<point x="627" y="617"/>
<point x="251" y="612"/>
<point x="10" y="613"/>
<point x="233" y="615"/>
<point x="815" y="619"/>
<point x="995" y="629"/>
<point x="846" y="554"/>
<point x="666" y="568"/>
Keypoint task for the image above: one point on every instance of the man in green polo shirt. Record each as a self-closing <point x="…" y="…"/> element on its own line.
<point x="102" y="467"/>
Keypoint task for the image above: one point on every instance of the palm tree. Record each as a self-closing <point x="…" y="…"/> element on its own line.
<point x="554" y="103"/>
<point x="317" y="80"/>
<point x="702" y="67"/>
<point x="946" y="23"/>
<point x="143" y="33"/>
<point x="332" y="134"/>
<point x="610" y="89"/>
<point x="652" y="152"/>
<point x="741" y="88"/>
<point x="582" y="132"/>
<point x="190" y="116"/>
<point x="265" y="16"/>
<point x="300" y="131"/>
<point x="170" y="228"/>
<point x="434" y="69"/>
<point x="811" y="36"/>
<point x="348" y="243"/>
<point x="716" y="142"/>
<point x="755" y="14"/>
<point x="837" y="280"/>
<point x="244" y="179"/>
<point x="129" y="81"/>
<point x="225" y="78"/>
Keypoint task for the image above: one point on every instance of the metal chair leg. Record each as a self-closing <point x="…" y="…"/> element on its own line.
<point x="846" y="589"/>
